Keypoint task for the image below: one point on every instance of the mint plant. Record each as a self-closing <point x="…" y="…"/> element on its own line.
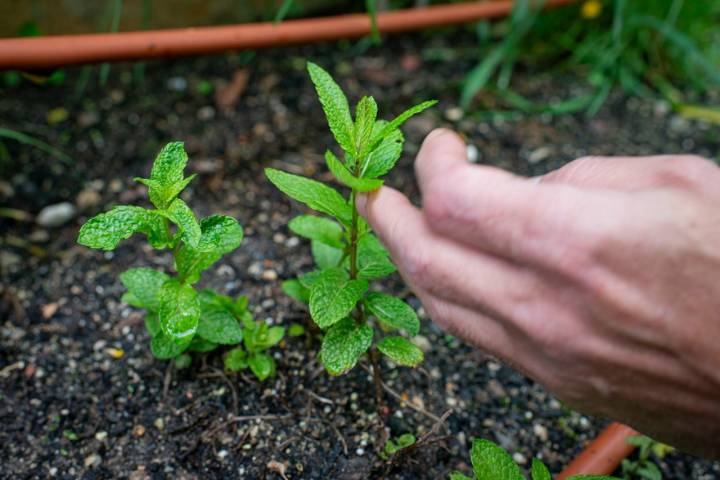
<point x="178" y="317"/>
<point x="257" y="339"/>
<point x="348" y="256"/>
<point x="491" y="462"/>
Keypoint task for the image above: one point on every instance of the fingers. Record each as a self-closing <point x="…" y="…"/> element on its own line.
<point x="491" y="209"/>
<point x="445" y="268"/>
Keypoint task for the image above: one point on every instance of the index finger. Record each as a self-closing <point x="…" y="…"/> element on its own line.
<point x="494" y="210"/>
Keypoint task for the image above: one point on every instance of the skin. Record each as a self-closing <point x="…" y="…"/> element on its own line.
<point x="601" y="280"/>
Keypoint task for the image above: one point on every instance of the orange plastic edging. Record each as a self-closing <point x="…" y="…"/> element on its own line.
<point x="61" y="50"/>
<point x="604" y="454"/>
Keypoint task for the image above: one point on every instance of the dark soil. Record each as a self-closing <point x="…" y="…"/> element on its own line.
<point x="70" y="409"/>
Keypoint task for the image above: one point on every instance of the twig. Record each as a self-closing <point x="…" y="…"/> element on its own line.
<point x="399" y="397"/>
<point x="318" y="397"/>
<point x="425" y="439"/>
<point x="168" y="379"/>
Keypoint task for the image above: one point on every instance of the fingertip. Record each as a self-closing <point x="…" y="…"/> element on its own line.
<point x="441" y="150"/>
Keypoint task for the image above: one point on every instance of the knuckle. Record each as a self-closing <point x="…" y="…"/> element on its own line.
<point x="685" y="170"/>
<point x="442" y="203"/>
<point x="416" y="263"/>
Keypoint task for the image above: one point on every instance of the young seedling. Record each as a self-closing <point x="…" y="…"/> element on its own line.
<point x="346" y="252"/>
<point x="491" y="462"/>
<point x="258" y="337"/>
<point x="178" y="317"/>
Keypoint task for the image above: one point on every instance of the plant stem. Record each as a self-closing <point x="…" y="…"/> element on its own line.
<point x="373" y="354"/>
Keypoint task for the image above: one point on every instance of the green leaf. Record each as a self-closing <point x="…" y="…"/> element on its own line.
<point x="373" y="260"/>
<point x="395" y="123"/>
<point x="169" y="164"/>
<point x="294" y="289"/>
<point x="161" y="195"/>
<point x="458" y="476"/>
<point x="321" y="229"/>
<point x="401" y="351"/>
<point x="307" y="280"/>
<point x="218" y="324"/>
<point x="382" y="158"/>
<point x="405" y="440"/>
<point x="106" y="230"/>
<point x="335" y="106"/>
<point x="235" y="360"/>
<point x="201" y="345"/>
<point x="333" y="296"/>
<point x="179" y="311"/>
<point x="393" y="312"/>
<point x="220" y="234"/>
<point x="263" y="337"/>
<point x="324" y="255"/>
<point x="152" y="324"/>
<point x="312" y="193"/>
<point x="540" y="471"/>
<point x="348" y="179"/>
<point x="184" y="218"/>
<point x="365" y="116"/>
<point x="295" y="330"/>
<point x="262" y="365"/>
<point x="492" y="462"/>
<point x="144" y="285"/>
<point x="343" y="345"/>
<point x="164" y="347"/>
<point x="183" y="361"/>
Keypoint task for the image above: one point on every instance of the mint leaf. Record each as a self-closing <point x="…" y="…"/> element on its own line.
<point x="401" y="351"/>
<point x="152" y="324"/>
<point x="144" y="285"/>
<point x="383" y="157"/>
<point x="365" y="116"/>
<point x="201" y="345"/>
<point x="307" y="280"/>
<point x="335" y="106"/>
<point x="161" y="195"/>
<point x="491" y="461"/>
<point x="313" y="194"/>
<point x="163" y="347"/>
<point x="393" y="312"/>
<point x="184" y="218"/>
<point x="343" y="345"/>
<point x="346" y="178"/>
<point x="333" y="296"/>
<point x="183" y="361"/>
<point x="106" y="230"/>
<point x="217" y="324"/>
<point x="321" y="229"/>
<point x="263" y="337"/>
<point x="540" y="471"/>
<point x="373" y="260"/>
<point x="294" y="289"/>
<point x="324" y="255"/>
<point x="169" y="164"/>
<point x="395" y="123"/>
<point x="179" y="311"/>
<point x="262" y="365"/>
<point x="235" y="360"/>
<point x="220" y="234"/>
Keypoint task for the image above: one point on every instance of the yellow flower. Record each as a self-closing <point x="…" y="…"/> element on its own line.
<point x="591" y="9"/>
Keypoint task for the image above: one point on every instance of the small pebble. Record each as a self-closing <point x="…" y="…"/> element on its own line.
<point x="101" y="435"/>
<point x="269" y="275"/>
<point x="139" y="430"/>
<point x="473" y="154"/>
<point x="292" y="242"/>
<point x="454" y="114"/>
<point x="56" y="215"/>
<point x="519" y="458"/>
<point x="159" y="423"/>
<point x="540" y="432"/>
<point x="222" y="454"/>
<point x="92" y="460"/>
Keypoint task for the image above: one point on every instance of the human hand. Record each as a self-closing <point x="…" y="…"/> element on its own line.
<point x="601" y="280"/>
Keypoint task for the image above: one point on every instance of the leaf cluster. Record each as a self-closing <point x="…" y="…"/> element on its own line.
<point x="258" y="338"/>
<point x="491" y="462"/>
<point x="179" y="317"/>
<point x="346" y="253"/>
